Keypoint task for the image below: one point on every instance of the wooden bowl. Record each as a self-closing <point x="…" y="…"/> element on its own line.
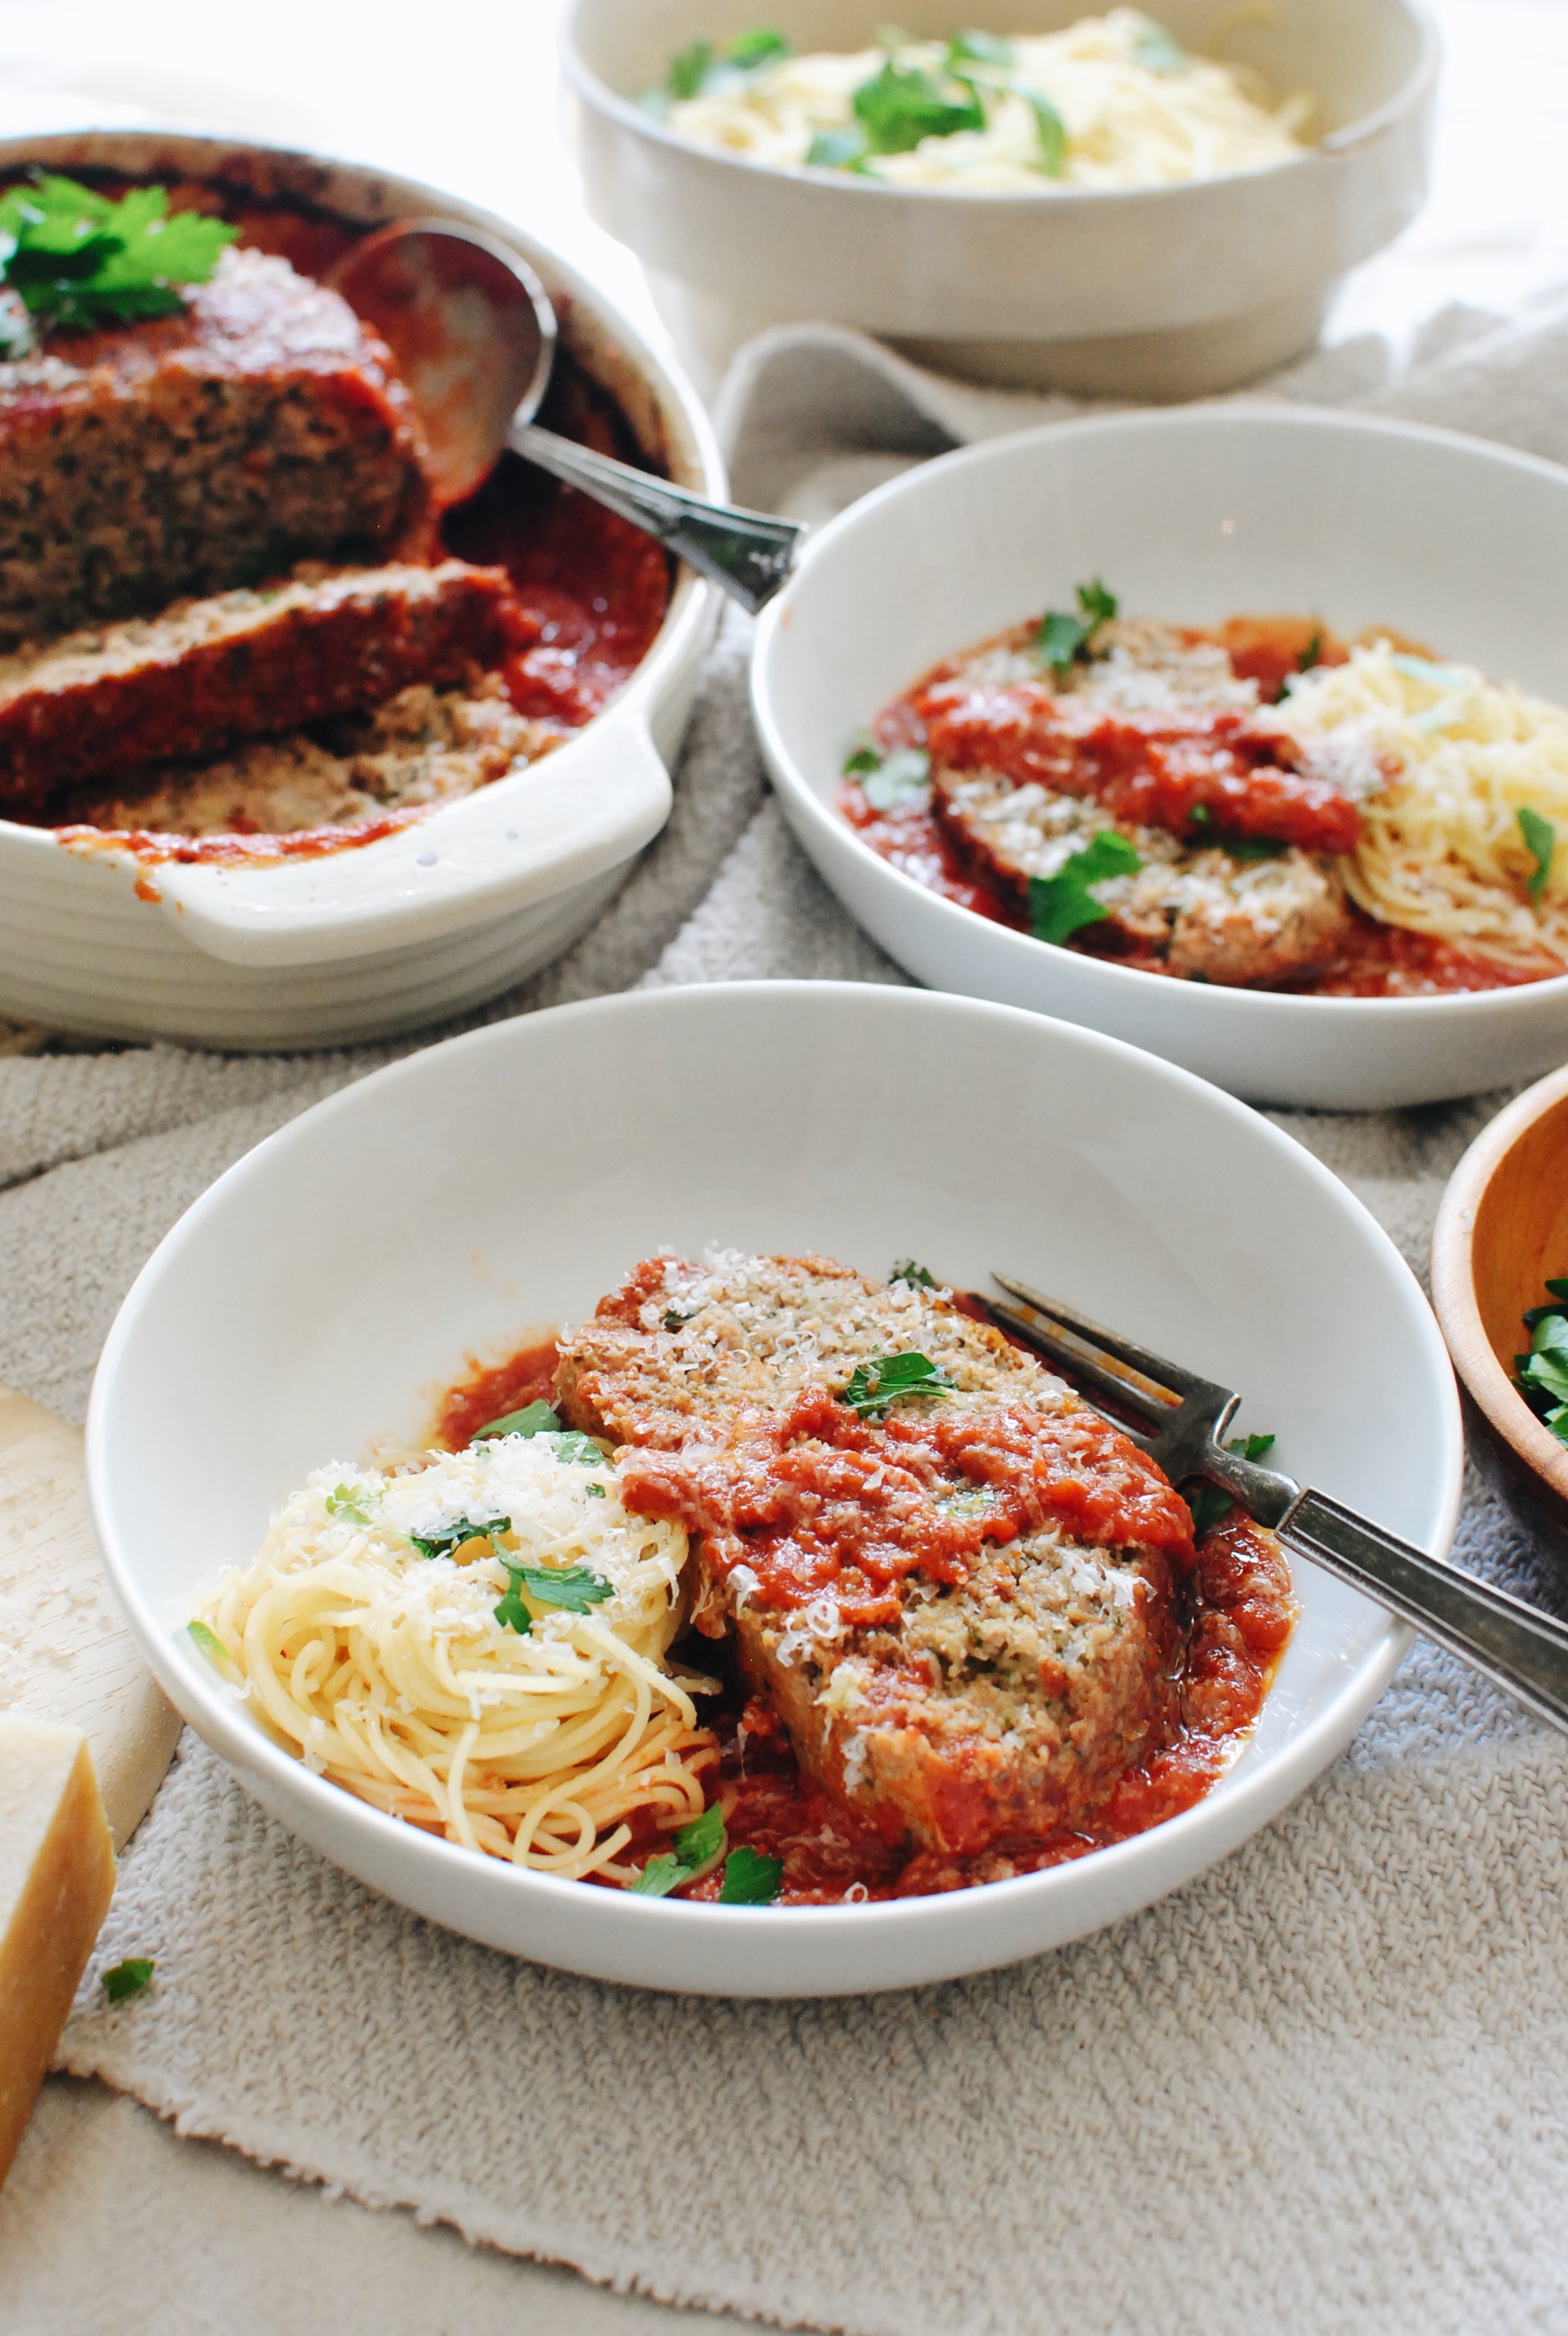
<point x="1502" y="1228"/>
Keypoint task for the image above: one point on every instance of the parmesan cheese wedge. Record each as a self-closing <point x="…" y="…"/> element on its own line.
<point x="66" y="1653"/>
<point x="56" y="1879"/>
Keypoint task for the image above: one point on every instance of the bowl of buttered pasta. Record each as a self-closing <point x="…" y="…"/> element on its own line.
<point x="1148" y="204"/>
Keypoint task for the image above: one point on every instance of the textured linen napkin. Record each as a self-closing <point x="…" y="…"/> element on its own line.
<point x="1322" y="2086"/>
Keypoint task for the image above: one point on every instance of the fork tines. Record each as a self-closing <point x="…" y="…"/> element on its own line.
<point x="1117" y="1367"/>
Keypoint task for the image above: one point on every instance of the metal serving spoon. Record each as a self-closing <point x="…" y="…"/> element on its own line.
<point x="474" y="337"/>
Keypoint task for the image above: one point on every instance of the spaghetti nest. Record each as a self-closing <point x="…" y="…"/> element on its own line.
<point x="476" y="1643"/>
<point x="1443" y="849"/>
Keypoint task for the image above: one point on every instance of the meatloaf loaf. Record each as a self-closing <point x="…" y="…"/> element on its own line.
<point x="190" y="454"/>
<point x="207" y="672"/>
<point x="963" y="1608"/>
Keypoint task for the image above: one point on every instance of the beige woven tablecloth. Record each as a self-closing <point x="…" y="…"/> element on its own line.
<point x="1323" y="2087"/>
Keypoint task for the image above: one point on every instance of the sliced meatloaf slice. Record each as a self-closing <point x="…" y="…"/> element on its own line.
<point x="423" y="746"/>
<point x="190" y="454"/>
<point x="206" y="673"/>
<point x="1203" y="913"/>
<point x="963" y="1606"/>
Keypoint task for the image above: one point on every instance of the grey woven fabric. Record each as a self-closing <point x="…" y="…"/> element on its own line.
<point x="1321" y="2088"/>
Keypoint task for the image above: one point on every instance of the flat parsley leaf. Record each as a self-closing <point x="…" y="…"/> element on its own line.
<point x="347" y="1502"/>
<point x="75" y="258"/>
<point x="1060" y="904"/>
<point x="1541" y="843"/>
<point x="1543" y="1372"/>
<point x="751" y="1878"/>
<point x="838" y="149"/>
<point x="873" y="1386"/>
<point x="903" y="105"/>
<point x="1160" y="52"/>
<point x="1053" y="137"/>
<point x="704" y="71"/>
<point x="918" y="1276"/>
<point x="446" y="1538"/>
<point x="574" y="1588"/>
<point x="1209" y="1504"/>
<point x="695" y="1845"/>
<point x="128" y="1979"/>
<point x="1063" y="640"/>
<point x="534" y="1419"/>
<point x="969" y="47"/>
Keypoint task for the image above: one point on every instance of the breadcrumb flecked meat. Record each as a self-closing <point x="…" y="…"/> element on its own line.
<point x="962" y="1637"/>
<point x="185" y="454"/>
<point x="1204" y="913"/>
<point x="205" y="674"/>
<point x="424" y="746"/>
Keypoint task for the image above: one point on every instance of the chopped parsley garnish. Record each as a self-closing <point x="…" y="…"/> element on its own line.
<point x="534" y="1419"/>
<point x="889" y="782"/>
<point x="1543" y="1372"/>
<point x="575" y="1588"/>
<point x="969" y="47"/>
<point x="902" y="104"/>
<point x="704" y="69"/>
<point x="1541" y="843"/>
<point x="873" y="1386"/>
<point x="347" y="1501"/>
<point x="919" y="1277"/>
<point x="1239" y="847"/>
<point x="751" y="1878"/>
<point x="75" y="258"/>
<point x="1063" y="640"/>
<point x="210" y="1642"/>
<point x="1160" y="52"/>
<point x="838" y="149"/>
<point x="1053" y="136"/>
<point x="128" y="1979"/>
<point x="1313" y="652"/>
<point x="1209" y="1504"/>
<point x="697" y="1844"/>
<point x="446" y="1538"/>
<point x="1060" y="904"/>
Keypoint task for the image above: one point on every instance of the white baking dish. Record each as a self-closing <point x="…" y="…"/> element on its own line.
<point x="1164" y="292"/>
<point x="362" y="943"/>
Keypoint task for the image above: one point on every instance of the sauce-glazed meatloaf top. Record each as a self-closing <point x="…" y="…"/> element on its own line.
<point x="206" y="673"/>
<point x="961" y="1604"/>
<point x="261" y="425"/>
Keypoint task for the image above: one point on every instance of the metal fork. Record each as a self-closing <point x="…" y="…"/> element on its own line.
<point x="1523" y="1650"/>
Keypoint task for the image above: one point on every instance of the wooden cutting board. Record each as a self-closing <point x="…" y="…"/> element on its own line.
<point x="65" y="1651"/>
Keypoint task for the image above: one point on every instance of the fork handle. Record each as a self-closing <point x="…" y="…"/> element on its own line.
<point x="1521" y="1649"/>
<point x="749" y="553"/>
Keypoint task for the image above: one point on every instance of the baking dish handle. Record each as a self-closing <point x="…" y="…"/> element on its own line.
<point x="539" y="832"/>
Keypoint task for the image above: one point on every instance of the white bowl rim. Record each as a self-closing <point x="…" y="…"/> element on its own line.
<point x="1213" y="999"/>
<point x="1367" y="127"/>
<point x="691" y="601"/>
<point x="1251" y="1799"/>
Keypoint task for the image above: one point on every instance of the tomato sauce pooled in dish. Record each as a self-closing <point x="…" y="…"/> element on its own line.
<point x="819" y="1502"/>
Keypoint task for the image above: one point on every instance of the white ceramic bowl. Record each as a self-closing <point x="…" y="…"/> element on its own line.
<point x="325" y="1287"/>
<point x="359" y="944"/>
<point x="1165" y="293"/>
<point x="1194" y="516"/>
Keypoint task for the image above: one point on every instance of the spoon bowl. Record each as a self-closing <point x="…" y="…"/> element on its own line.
<point x="473" y="335"/>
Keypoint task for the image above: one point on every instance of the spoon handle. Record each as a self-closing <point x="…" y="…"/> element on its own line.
<point x="747" y="552"/>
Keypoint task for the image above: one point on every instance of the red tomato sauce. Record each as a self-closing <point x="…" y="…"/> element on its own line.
<point x="1158" y="773"/>
<point x="1234" y="1618"/>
